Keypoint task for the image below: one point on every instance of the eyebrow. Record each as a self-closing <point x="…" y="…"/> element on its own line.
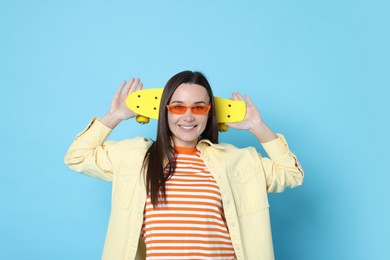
<point x="181" y="102"/>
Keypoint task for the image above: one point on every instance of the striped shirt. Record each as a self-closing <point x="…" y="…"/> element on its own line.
<point x="191" y="225"/>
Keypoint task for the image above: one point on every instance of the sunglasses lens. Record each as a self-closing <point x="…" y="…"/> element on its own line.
<point x="200" y="110"/>
<point x="177" y="109"/>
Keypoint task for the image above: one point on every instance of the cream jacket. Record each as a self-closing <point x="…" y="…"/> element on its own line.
<point x="243" y="177"/>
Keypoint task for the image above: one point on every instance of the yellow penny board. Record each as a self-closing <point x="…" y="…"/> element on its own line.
<point x="146" y="104"/>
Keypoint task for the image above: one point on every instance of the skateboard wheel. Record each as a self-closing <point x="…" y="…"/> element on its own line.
<point x="222" y="127"/>
<point x="142" y="119"/>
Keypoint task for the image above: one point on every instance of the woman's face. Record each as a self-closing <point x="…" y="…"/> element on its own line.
<point x="187" y="127"/>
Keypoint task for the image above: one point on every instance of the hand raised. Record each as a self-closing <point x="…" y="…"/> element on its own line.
<point x="118" y="104"/>
<point x="252" y="118"/>
<point x="118" y="109"/>
<point x="253" y="121"/>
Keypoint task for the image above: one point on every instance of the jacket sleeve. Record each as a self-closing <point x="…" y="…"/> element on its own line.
<point x="282" y="168"/>
<point x="90" y="154"/>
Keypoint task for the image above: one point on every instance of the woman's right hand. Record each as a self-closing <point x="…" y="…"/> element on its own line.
<point x="118" y="109"/>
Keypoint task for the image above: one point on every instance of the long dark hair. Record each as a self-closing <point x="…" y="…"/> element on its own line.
<point x="161" y="154"/>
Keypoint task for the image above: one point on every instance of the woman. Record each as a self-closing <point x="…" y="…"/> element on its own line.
<point x="185" y="196"/>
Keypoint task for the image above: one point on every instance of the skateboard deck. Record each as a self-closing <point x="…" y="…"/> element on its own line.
<point x="146" y="104"/>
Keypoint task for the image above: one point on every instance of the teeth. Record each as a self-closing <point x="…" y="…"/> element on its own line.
<point x="187" y="127"/>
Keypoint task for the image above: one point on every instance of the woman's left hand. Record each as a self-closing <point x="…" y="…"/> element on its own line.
<point x="252" y="118"/>
<point x="252" y="121"/>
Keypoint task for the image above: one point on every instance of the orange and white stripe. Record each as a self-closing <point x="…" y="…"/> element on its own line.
<point x="191" y="225"/>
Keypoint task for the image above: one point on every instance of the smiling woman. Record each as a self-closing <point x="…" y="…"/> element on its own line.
<point x="184" y="196"/>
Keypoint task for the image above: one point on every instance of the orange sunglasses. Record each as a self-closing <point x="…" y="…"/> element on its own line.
<point x="195" y="109"/>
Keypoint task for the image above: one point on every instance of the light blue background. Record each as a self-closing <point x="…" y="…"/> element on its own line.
<point x="317" y="70"/>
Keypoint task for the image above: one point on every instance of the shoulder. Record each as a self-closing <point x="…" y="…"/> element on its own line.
<point x="134" y="147"/>
<point x="138" y="142"/>
<point x="229" y="149"/>
<point x="225" y="149"/>
<point x="231" y="157"/>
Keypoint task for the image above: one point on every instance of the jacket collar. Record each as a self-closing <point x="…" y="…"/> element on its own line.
<point x="202" y="144"/>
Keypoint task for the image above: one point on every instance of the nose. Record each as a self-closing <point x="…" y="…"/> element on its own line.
<point x="188" y="115"/>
